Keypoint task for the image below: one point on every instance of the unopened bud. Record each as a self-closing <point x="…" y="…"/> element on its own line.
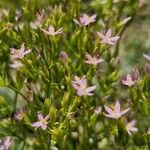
<point x="63" y="55"/>
<point x="147" y="69"/>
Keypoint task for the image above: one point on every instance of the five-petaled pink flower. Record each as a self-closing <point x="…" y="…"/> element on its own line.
<point x="80" y="85"/>
<point x="93" y="60"/>
<point x="19" y="53"/>
<point x="146" y="56"/>
<point x="131" y="78"/>
<point x="51" y="30"/>
<point x="108" y="38"/>
<point x="128" y="81"/>
<point x="115" y="113"/>
<point x="130" y="127"/>
<point x="42" y="121"/>
<point x="85" y="20"/>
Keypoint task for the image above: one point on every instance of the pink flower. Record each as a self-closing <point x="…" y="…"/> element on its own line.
<point x="51" y="31"/>
<point x="63" y="55"/>
<point x="38" y="22"/>
<point x="131" y="78"/>
<point x="18" y="14"/>
<point x="80" y="85"/>
<point x="135" y="74"/>
<point x="130" y="127"/>
<point x="5" y="144"/>
<point x="128" y="81"/>
<point x="93" y="60"/>
<point x="19" y="113"/>
<point x="19" y="53"/>
<point x="146" y="57"/>
<point x="42" y="122"/>
<point x="116" y="113"/>
<point x="108" y="38"/>
<point x="40" y="15"/>
<point x="85" y="20"/>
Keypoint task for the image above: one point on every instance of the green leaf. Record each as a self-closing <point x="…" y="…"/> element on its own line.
<point x="3" y="82"/>
<point x="4" y="108"/>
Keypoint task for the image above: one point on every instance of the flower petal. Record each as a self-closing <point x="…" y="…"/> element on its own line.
<point x="101" y="35"/>
<point x="40" y="116"/>
<point x="109" y="32"/>
<point x="124" y="111"/>
<point x="44" y="126"/>
<point x="109" y="110"/>
<point x="146" y="56"/>
<point x="36" y="124"/>
<point x="90" y="89"/>
<point x="75" y="86"/>
<point x="114" y="39"/>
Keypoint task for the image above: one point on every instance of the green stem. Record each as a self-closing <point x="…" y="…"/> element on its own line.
<point x="12" y="88"/>
<point x="15" y="102"/>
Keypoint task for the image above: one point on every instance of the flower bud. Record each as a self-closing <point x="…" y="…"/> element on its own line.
<point x="63" y="55"/>
<point x="147" y="69"/>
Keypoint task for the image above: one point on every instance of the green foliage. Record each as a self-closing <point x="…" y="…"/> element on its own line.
<point x="43" y="51"/>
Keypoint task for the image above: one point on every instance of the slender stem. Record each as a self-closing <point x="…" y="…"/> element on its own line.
<point x="15" y="102"/>
<point x="24" y="143"/>
<point x="49" y="142"/>
<point x="12" y="88"/>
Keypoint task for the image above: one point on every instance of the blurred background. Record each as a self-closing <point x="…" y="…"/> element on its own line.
<point x="136" y="39"/>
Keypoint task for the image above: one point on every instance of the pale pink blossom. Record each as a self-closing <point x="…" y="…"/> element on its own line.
<point x="131" y="78"/>
<point x="40" y="15"/>
<point x="128" y="81"/>
<point x="19" y="53"/>
<point x="42" y="121"/>
<point x="93" y="60"/>
<point x="135" y="74"/>
<point x="146" y="57"/>
<point x="35" y="24"/>
<point x="5" y="143"/>
<point x="18" y="14"/>
<point x="80" y="85"/>
<point x="85" y="20"/>
<point x="130" y="127"/>
<point x="63" y="55"/>
<point x="51" y="31"/>
<point x="38" y="22"/>
<point x="20" y="113"/>
<point x="115" y="113"/>
<point x="108" y="38"/>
